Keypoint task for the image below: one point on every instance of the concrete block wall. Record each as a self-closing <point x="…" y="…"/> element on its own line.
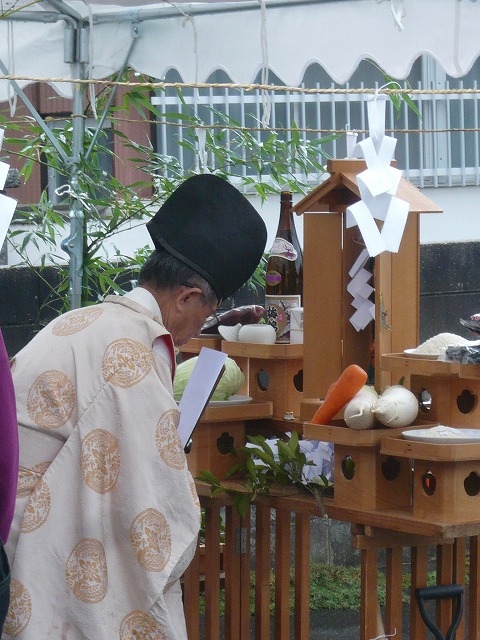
<point x="24" y="304"/>
<point x="449" y="286"/>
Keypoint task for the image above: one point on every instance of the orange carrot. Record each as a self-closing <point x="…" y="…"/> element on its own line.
<point x="340" y="393"/>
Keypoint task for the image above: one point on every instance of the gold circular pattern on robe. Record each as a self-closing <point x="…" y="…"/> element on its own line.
<point x="29" y="478"/>
<point x="76" y="321"/>
<point x="168" y="442"/>
<point x="151" y="539"/>
<point x="86" y="571"/>
<point x="126" y="362"/>
<point x="100" y="460"/>
<point x="37" y="508"/>
<point x="51" y="400"/>
<point x="196" y="499"/>
<point x="138" y="624"/>
<point x="20" y="609"/>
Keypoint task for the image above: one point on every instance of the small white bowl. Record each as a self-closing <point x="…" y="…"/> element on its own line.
<point x="257" y="333"/>
<point x="229" y="333"/>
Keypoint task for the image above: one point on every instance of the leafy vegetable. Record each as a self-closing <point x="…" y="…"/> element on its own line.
<point x="230" y="382"/>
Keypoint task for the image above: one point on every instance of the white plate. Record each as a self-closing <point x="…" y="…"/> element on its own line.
<point x="231" y="400"/>
<point x="412" y="353"/>
<point x="424" y="435"/>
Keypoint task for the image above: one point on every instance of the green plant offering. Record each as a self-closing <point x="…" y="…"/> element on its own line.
<point x="261" y="470"/>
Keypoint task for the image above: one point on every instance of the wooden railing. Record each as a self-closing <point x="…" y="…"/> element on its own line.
<point x="227" y="566"/>
<point x="449" y="557"/>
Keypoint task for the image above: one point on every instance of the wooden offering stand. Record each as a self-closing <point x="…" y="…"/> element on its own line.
<point x="274" y="381"/>
<point x="396" y="493"/>
<point x="364" y="478"/>
<point x="446" y="481"/>
<point x="219" y="431"/>
<point x="273" y="372"/>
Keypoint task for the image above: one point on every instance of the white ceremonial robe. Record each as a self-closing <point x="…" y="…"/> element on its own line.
<point x="107" y="515"/>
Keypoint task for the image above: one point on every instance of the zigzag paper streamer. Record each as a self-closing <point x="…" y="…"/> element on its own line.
<point x="378" y="185"/>
<point x="361" y="291"/>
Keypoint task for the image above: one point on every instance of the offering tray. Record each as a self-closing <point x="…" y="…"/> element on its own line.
<point x="440" y="451"/>
<point x="246" y="411"/>
<point x="194" y="345"/>
<point x="339" y="433"/>
<point x="263" y="351"/>
<point x="409" y="364"/>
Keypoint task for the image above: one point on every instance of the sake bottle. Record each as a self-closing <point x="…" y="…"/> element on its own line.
<point x="284" y="276"/>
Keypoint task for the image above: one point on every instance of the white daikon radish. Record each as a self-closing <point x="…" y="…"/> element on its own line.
<point x="396" y="407"/>
<point x="358" y="412"/>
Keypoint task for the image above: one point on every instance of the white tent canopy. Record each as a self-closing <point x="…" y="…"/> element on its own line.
<point x="241" y="38"/>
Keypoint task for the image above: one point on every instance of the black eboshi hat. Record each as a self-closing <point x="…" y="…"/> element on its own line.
<point x="211" y="227"/>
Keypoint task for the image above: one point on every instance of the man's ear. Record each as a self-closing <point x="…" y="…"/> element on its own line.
<point x="187" y="295"/>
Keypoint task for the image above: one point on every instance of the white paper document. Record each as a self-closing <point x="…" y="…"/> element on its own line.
<point x="7" y="209"/>
<point x="4" y="167"/>
<point x="199" y="388"/>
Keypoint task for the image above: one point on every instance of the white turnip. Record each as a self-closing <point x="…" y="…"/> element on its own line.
<point x="396" y="407"/>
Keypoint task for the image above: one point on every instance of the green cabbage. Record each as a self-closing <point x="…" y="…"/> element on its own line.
<point x="230" y="382"/>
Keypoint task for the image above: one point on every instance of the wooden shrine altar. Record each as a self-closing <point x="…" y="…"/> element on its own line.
<point x="395" y="493"/>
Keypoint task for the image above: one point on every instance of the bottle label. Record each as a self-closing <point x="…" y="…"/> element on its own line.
<point x="283" y="249"/>
<point x="277" y="309"/>
<point x="272" y="278"/>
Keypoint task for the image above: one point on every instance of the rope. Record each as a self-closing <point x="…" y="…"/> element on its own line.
<point x="245" y="128"/>
<point x="245" y="87"/>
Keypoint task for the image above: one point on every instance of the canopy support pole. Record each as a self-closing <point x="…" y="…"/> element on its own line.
<point x="74" y="243"/>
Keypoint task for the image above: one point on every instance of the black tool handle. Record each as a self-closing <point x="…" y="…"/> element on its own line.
<point x="441" y="592"/>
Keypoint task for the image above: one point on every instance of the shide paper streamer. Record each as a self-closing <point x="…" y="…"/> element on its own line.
<point x="7" y="205"/>
<point x="378" y="185"/>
